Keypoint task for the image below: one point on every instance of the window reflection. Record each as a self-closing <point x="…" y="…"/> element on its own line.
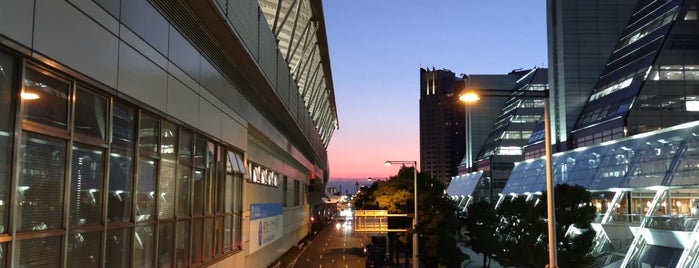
<point x="83" y="249"/>
<point x="7" y="72"/>
<point x="145" y="191"/>
<point x="41" y="173"/>
<point x="86" y="185"/>
<point x="118" y="251"/>
<point x="144" y="247"/>
<point x="90" y="114"/>
<point x="45" y="99"/>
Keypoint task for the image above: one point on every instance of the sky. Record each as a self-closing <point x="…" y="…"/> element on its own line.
<point x="377" y="48"/>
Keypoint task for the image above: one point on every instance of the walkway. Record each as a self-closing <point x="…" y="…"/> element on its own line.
<point x="476" y="260"/>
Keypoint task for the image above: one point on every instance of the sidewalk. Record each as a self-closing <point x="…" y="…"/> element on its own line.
<point x="476" y="260"/>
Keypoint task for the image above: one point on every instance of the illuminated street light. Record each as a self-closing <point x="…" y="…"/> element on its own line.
<point x="471" y="96"/>
<point x="415" y="236"/>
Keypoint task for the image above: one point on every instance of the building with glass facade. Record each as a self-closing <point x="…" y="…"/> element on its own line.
<point x="443" y="118"/>
<point x="634" y="143"/>
<point x="160" y="133"/>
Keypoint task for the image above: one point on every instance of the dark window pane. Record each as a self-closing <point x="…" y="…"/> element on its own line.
<point x="7" y="74"/>
<point x="87" y="172"/>
<point x="45" y="99"/>
<point x="145" y="191"/>
<point x="165" y="244"/>
<point x="185" y="147"/>
<point x="227" y="233"/>
<point x="184" y="178"/>
<point x="90" y="114"/>
<point x="197" y="228"/>
<point x="119" y="196"/>
<point x="237" y="231"/>
<point x="148" y="135"/>
<point x="39" y="252"/>
<point x="118" y="253"/>
<point x="166" y="190"/>
<point x="198" y="196"/>
<point x="123" y="129"/>
<point x="40" y="180"/>
<point x="144" y="247"/>
<point x="208" y="248"/>
<point x="84" y="250"/>
<point x="228" y="188"/>
<point x="168" y="140"/>
<point x="182" y="244"/>
<point x="200" y="153"/>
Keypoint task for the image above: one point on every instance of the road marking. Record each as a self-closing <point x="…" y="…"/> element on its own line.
<point x="344" y="257"/>
<point x="321" y="256"/>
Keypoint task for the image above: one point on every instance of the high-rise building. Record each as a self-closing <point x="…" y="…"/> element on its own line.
<point x="442" y="118"/>
<point x="635" y="140"/>
<point x="581" y="36"/>
<point x="651" y="79"/>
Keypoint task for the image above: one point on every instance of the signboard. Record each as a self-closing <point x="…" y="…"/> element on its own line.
<point x="265" y="225"/>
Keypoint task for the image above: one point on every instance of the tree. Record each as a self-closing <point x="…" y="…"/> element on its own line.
<point x="523" y="229"/>
<point x="481" y="224"/>
<point x="437" y="231"/>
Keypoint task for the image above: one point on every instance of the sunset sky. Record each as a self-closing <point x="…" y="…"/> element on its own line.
<point x="377" y="48"/>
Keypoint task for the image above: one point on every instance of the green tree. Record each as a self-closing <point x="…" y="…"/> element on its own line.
<point x="482" y="224"/>
<point x="523" y="228"/>
<point x="437" y="224"/>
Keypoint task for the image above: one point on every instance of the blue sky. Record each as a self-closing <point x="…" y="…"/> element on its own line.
<point x="376" y="50"/>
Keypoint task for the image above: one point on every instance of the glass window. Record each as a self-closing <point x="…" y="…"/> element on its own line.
<point x="168" y="139"/>
<point x="41" y="177"/>
<point x="182" y="244"/>
<point x="144" y="247"/>
<point x="227" y="233"/>
<point x="228" y="188"/>
<point x="200" y="153"/>
<point x="45" y="98"/>
<point x="90" y="114"/>
<point x="87" y="171"/>
<point x="166" y="190"/>
<point x="184" y="177"/>
<point x="123" y="128"/>
<point x="148" y="135"/>
<point x="39" y="252"/>
<point x="145" y="190"/>
<point x="197" y="239"/>
<point x="119" y="197"/>
<point x="118" y="252"/>
<point x="165" y="242"/>
<point x="7" y="74"/>
<point x="84" y="249"/>
<point x="185" y="147"/>
<point x="208" y="249"/>
<point x="198" y="196"/>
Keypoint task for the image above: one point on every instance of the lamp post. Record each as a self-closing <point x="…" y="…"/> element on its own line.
<point x="415" y="236"/>
<point x="473" y="96"/>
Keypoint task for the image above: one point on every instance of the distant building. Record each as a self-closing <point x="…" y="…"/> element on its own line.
<point x="442" y="118"/>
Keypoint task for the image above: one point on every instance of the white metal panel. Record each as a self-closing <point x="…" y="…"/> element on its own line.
<point x="16" y="20"/>
<point x="97" y="13"/>
<point x="209" y="118"/>
<point x="139" y="44"/>
<point x="141" y="78"/>
<point x="65" y="34"/>
<point x="180" y="102"/>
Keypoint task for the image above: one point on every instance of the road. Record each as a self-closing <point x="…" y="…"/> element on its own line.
<point x="335" y="246"/>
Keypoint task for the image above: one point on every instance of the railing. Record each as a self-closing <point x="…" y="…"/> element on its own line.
<point x="672" y="223"/>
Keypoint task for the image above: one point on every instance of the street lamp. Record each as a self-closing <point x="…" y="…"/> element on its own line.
<point x="414" y="163"/>
<point x="473" y="96"/>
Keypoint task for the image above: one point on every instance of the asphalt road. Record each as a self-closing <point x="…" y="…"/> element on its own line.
<point x="335" y="246"/>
